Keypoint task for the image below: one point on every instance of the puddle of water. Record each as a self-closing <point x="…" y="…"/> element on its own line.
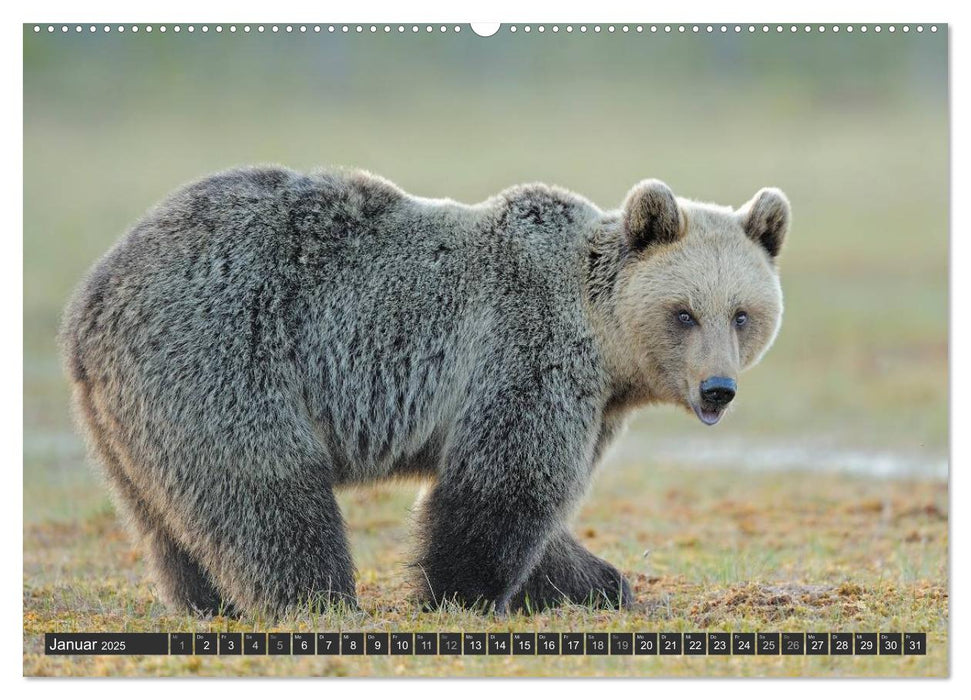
<point x="780" y="457"/>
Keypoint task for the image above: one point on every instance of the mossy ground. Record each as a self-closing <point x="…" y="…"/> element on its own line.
<point x="706" y="551"/>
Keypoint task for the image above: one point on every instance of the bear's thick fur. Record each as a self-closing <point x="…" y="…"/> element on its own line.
<point x="263" y="337"/>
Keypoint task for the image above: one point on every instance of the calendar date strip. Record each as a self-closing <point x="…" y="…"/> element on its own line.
<point x="487" y="643"/>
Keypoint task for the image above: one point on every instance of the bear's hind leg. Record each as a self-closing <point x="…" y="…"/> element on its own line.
<point x="181" y="579"/>
<point x="182" y="582"/>
<point x="278" y="546"/>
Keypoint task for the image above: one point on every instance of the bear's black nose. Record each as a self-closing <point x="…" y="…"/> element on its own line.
<point x="718" y="390"/>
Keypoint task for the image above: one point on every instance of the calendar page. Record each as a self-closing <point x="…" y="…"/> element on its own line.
<point x="522" y="349"/>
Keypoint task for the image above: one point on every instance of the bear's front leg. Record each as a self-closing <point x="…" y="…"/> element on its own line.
<point x="569" y="573"/>
<point x="506" y="487"/>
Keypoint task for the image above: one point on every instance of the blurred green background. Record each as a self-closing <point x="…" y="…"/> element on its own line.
<point x="853" y="127"/>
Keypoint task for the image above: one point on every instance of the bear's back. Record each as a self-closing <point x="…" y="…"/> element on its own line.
<point x="261" y="303"/>
<point x="261" y="311"/>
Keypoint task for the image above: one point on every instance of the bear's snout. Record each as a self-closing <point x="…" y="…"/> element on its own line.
<point x="718" y="391"/>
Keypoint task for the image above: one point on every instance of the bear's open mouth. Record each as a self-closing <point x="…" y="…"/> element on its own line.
<point x="708" y="415"/>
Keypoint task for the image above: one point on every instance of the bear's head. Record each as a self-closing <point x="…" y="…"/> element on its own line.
<point x="697" y="295"/>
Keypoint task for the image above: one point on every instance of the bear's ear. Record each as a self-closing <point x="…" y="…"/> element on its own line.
<point x="765" y="219"/>
<point x="651" y="215"/>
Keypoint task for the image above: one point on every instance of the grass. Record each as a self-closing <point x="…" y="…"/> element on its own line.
<point x="860" y="365"/>
<point x="705" y="550"/>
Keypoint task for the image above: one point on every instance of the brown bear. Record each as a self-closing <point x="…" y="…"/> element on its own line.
<point x="263" y="337"/>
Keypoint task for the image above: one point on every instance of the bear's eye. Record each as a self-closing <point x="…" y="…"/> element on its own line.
<point x="741" y="318"/>
<point x="686" y="318"/>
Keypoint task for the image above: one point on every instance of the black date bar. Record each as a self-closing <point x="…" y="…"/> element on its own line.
<point x="105" y="643"/>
